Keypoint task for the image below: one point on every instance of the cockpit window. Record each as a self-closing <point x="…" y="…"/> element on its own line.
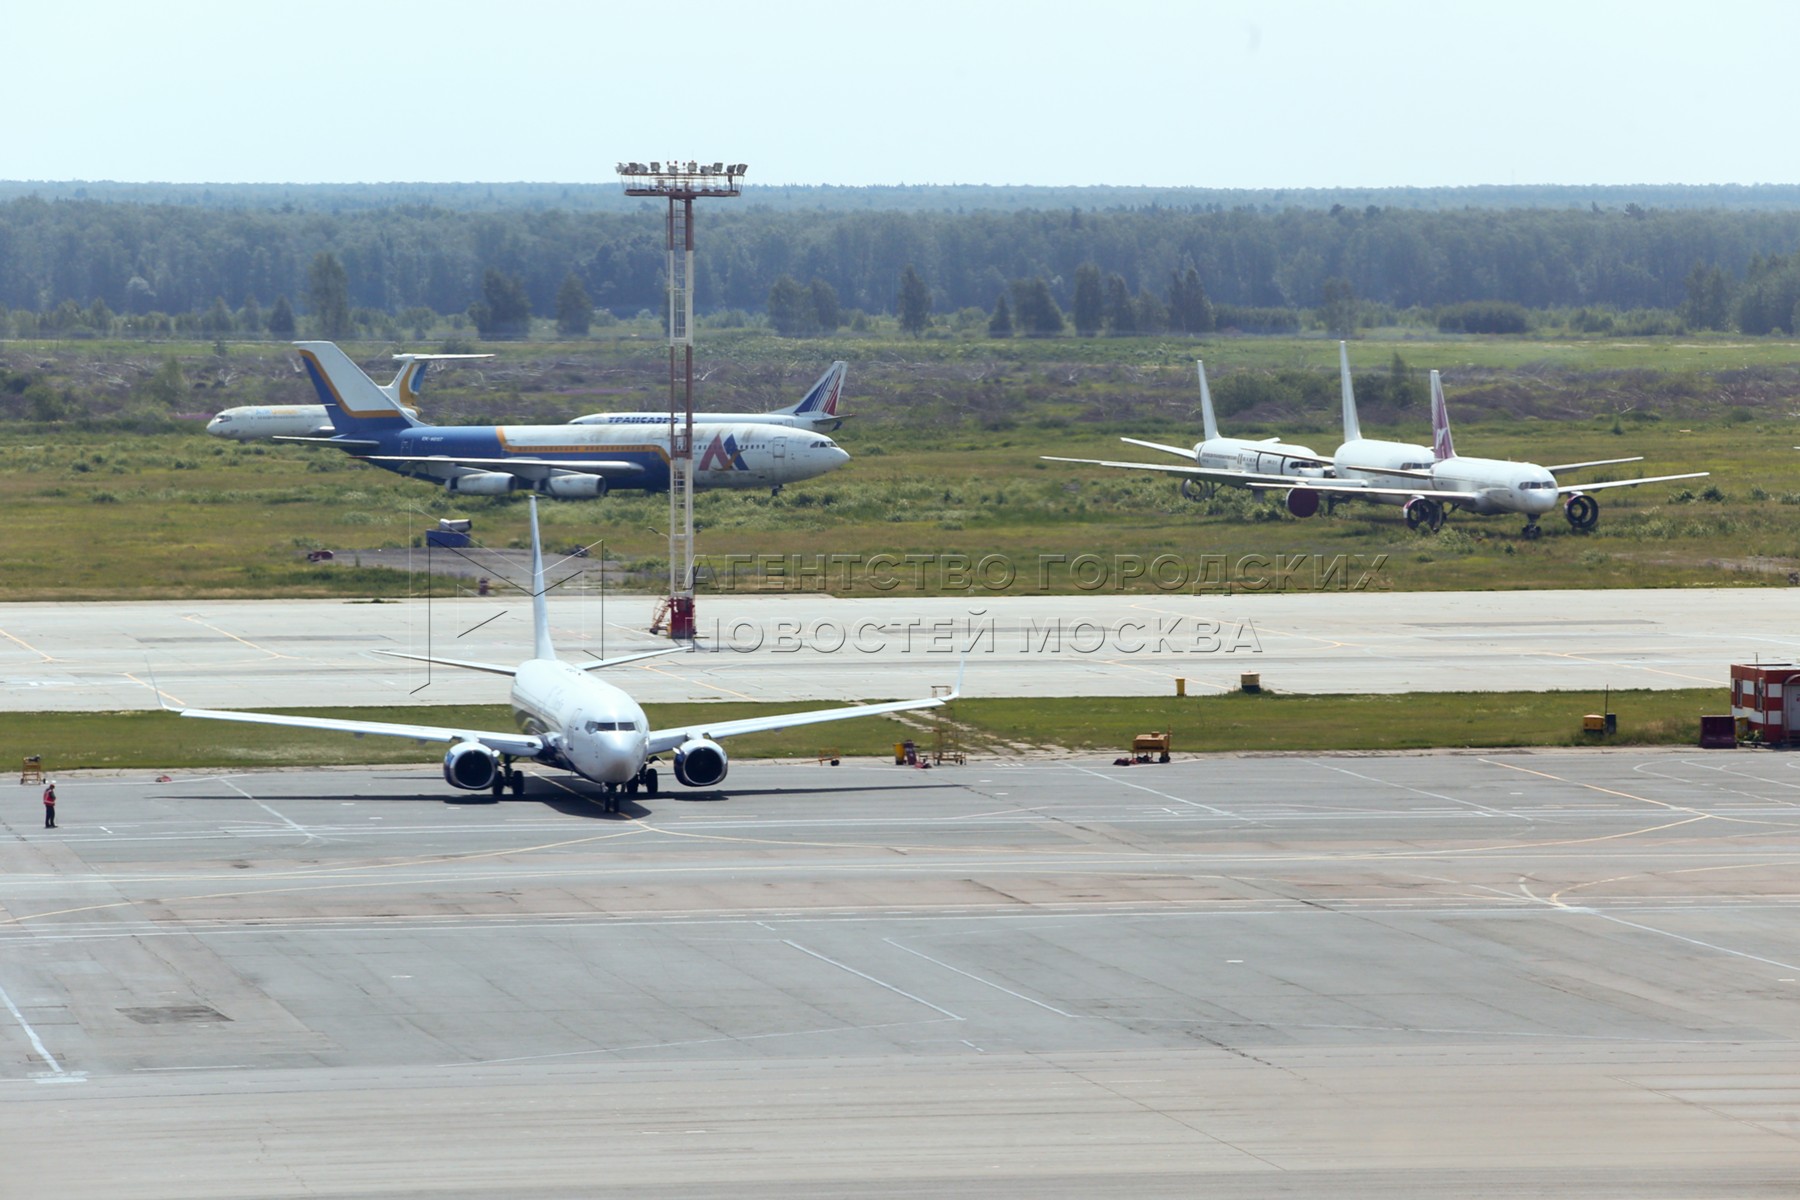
<point x="607" y="726"/>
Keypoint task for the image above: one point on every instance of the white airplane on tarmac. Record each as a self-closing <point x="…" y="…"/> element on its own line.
<point x="1218" y="460"/>
<point x="252" y="422"/>
<point x="817" y="410"/>
<point x="1364" y="468"/>
<point x="571" y="721"/>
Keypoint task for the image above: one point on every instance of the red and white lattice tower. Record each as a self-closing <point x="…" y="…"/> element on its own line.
<point x="681" y="184"/>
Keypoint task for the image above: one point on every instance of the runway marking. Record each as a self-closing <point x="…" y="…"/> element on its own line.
<point x="978" y="979"/>
<point x="154" y="690"/>
<point x="1164" y="795"/>
<point x="22" y="642"/>
<point x="1602" y="662"/>
<point x="712" y="1041"/>
<point x="877" y="982"/>
<point x="302" y="830"/>
<point x="1700" y="813"/>
<point x="243" y="641"/>
<point x="697" y="682"/>
<point x="37" y="1043"/>
<point x="1498" y="812"/>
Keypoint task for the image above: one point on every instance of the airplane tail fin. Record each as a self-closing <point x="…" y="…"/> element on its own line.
<point x="355" y="403"/>
<point x="1207" y="419"/>
<point x="1352" y="429"/>
<point x="409" y="380"/>
<point x="821" y="400"/>
<point x="1440" y="422"/>
<point x="540" y="612"/>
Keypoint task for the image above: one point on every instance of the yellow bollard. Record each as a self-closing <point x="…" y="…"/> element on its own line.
<point x="1180" y="686"/>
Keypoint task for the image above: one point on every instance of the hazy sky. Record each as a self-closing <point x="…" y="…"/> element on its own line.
<point x="1226" y="94"/>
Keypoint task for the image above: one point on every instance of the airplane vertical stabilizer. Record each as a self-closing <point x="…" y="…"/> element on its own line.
<point x="355" y="403"/>
<point x="1352" y="429"/>
<point x="1440" y="422"/>
<point x="821" y="400"/>
<point x="540" y="612"/>
<point x="1207" y="420"/>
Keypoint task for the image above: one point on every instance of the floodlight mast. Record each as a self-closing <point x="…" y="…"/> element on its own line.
<point x="681" y="184"/>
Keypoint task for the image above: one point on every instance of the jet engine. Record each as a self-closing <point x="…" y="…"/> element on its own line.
<point x="573" y="487"/>
<point x="1303" y="502"/>
<point x="472" y="767"/>
<point x="482" y="483"/>
<point x="1422" y="510"/>
<point x="1582" y="510"/>
<point x="701" y="762"/>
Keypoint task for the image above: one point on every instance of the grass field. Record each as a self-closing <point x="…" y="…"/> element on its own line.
<point x="156" y="740"/>
<point x="946" y="463"/>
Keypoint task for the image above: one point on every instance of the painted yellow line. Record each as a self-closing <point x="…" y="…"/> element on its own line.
<point x="22" y="642"/>
<point x="242" y="641"/>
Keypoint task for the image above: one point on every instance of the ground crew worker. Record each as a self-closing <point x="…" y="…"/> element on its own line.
<point x="50" y="805"/>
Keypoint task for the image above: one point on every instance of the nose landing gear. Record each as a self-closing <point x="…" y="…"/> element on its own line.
<point x="1531" y="532"/>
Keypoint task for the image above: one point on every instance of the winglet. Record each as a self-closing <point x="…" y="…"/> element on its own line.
<point x="1352" y="430"/>
<point x="1206" y="409"/>
<point x="540" y="613"/>
<point x="1440" y="422"/>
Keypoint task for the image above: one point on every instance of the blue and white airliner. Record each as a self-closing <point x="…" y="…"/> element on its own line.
<point x="568" y="462"/>
<point x="572" y="721"/>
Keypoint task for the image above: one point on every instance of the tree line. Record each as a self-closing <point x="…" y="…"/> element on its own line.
<point x="89" y="259"/>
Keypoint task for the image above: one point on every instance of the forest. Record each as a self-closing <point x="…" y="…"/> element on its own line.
<point x="146" y="260"/>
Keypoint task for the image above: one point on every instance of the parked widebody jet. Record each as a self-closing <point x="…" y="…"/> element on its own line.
<point x="1216" y="460"/>
<point x="570" y="462"/>
<point x="570" y="720"/>
<point x="1426" y="482"/>
<point x="252" y="422"/>
<point x="817" y="410"/>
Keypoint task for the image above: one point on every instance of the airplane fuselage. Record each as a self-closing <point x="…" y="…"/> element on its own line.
<point x="823" y="423"/>
<point x="255" y="421"/>
<point x="1516" y="487"/>
<point x="1354" y="457"/>
<point x="725" y="456"/>
<point x="1258" y="458"/>
<point x="589" y="726"/>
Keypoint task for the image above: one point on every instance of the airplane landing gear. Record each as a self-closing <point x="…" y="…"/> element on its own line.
<point x="609" y="797"/>
<point x="507" y="777"/>
<point x="1531" y="532"/>
<point x="1583" y="512"/>
<point x="775" y="491"/>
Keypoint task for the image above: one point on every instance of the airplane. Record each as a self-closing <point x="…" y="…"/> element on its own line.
<point x="1219" y="460"/>
<point x="817" y="410"/>
<point x="1363" y="467"/>
<point x="567" y="462"/>
<point x="252" y="422"/>
<point x="570" y="720"/>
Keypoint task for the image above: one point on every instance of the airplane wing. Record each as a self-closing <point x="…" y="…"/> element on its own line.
<point x="1403" y="472"/>
<point x="353" y="445"/>
<point x="1278" y="483"/>
<point x="523" y="745"/>
<point x="667" y="739"/>
<point x="1594" y="487"/>
<point x="1599" y="462"/>
<point x="610" y="468"/>
<point x="622" y="659"/>
<point x="1188" y="454"/>
<point x="1178" y="451"/>
<point x="490" y="668"/>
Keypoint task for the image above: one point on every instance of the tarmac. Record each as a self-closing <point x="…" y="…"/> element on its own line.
<point x="1568" y="973"/>
<point x="222" y="654"/>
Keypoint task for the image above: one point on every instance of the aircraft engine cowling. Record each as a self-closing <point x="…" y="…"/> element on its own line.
<point x="482" y="483"/>
<point x="701" y="762"/>
<point x="471" y="766"/>
<point x="1303" y="502"/>
<point x="573" y="487"/>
